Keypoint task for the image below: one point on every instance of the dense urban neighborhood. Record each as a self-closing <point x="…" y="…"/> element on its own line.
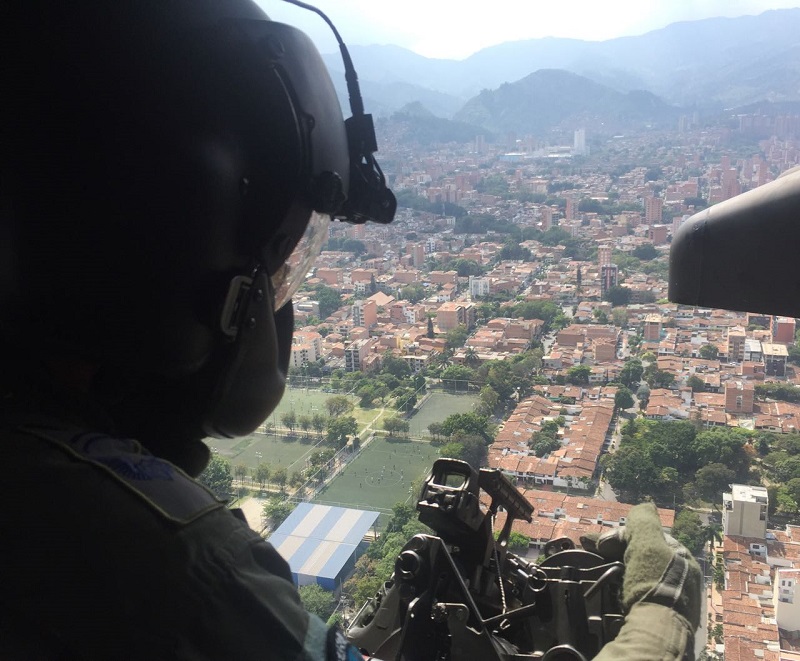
<point x="532" y="277"/>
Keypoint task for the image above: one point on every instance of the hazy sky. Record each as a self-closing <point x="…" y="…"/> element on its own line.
<point x="457" y="28"/>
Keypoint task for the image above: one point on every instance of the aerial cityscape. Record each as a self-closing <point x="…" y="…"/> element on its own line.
<point x="515" y="315"/>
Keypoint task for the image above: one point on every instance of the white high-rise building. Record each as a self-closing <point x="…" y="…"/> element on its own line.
<point x="579" y="143"/>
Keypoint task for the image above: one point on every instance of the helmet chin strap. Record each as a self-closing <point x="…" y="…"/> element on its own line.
<point x="253" y="377"/>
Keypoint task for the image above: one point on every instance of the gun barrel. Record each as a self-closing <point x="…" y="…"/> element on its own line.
<point x="499" y="487"/>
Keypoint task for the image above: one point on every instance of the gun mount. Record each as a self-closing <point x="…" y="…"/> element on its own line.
<point x="460" y="594"/>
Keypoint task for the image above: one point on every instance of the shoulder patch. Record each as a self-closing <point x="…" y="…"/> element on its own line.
<point x="162" y="485"/>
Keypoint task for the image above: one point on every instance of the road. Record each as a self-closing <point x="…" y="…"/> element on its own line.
<point x="604" y="491"/>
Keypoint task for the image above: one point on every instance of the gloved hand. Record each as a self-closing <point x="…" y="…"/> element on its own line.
<point x="661" y="591"/>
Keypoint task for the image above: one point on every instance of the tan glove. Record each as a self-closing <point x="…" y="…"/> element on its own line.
<point x="661" y="592"/>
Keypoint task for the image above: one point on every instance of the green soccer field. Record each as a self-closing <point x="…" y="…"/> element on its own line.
<point x="303" y="401"/>
<point x="436" y="408"/>
<point x="278" y="451"/>
<point x="381" y="474"/>
<point x="358" y="484"/>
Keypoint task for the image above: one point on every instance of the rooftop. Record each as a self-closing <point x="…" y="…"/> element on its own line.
<point x="317" y="540"/>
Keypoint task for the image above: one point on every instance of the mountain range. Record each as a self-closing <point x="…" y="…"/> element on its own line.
<point x="702" y="65"/>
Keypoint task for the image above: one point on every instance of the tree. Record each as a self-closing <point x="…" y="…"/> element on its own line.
<point x="430" y="333"/>
<point x="579" y="375"/>
<point x="659" y="378"/>
<point x="261" y="474"/>
<point x="456" y="337"/>
<point x="631" y="472"/>
<point x="712" y="480"/>
<point x="518" y="543"/>
<point x="339" y="429"/>
<point x="366" y="394"/>
<point x="305" y="423"/>
<point x="696" y="383"/>
<point x="318" y="422"/>
<point x="337" y="405"/>
<point x="452" y="450"/>
<point x="413" y="293"/>
<point x="241" y="472"/>
<point x="618" y="296"/>
<point x="688" y="530"/>
<point x="296" y="479"/>
<point x="709" y="352"/>
<point x="469" y="448"/>
<point x="784" y="392"/>
<point x="405" y="399"/>
<point x="321" y="457"/>
<point x="471" y="358"/>
<point x="629" y="429"/>
<point x="401" y="515"/>
<point x="793" y="488"/>
<point x="643" y="395"/>
<point x="317" y="600"/>
<point x="670" y="478"/>
<point x="631" y="372"/>
<point x="395" y="366"/>
<point x="276" y="510"/>
<point x="465" y="267"/>
<point x="436" y="429"/>
<point x="279" y="477"/>
<point x="467" y="423"/>
<point x="623" y="399"/>
<point x="548" y="311"/>
<point x="712" y="534"/>
<point x="600" y="316"/>
<point x="619" y="316"/>
<point x="456" y="373"/>
<point x="289" y="419"/>
<point x="543" y="445"/>
<point x="645" y="252"/>
<point x="394" y="424"/>
<point x="489" y="401"/>
<point x="329" y="300"/>
<point x="217" y="476"/>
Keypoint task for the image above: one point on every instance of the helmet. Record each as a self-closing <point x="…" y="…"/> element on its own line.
<point x="170" y="172"/>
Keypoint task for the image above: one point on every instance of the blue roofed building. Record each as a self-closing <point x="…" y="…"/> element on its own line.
<point x="321" y="543"/>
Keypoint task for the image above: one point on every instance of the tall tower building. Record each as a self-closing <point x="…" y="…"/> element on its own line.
<point x="609" y="276"/>
<point x="604" y="254"/>
<point x="570" y="210"/>
<point x="744" y="512"/>
<point x="417" y="251"/>
<point x="737" y="337"/>
<point x="579" y="142"/>
<point x="653" y="210"/>
<point x="730" y="184"/>
<point x="652" y="328"/>
<point x="783" y="329"/>
<point x="547" y="218"/>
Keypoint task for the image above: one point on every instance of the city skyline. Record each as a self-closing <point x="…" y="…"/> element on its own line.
<point x="445" y="29"/>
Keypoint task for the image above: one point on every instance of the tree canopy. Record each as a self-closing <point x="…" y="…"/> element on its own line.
<point x="618" y="296"/>
<point x="623" y="398"/>
<point x="218" y="477"/>
<point x="340" y="429"/>
<point x="703" y="463"/>
<point x="317" y="600"/>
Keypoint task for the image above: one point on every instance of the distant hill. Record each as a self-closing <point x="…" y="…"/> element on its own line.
<point x="416" y="124"/>
<point x="551" y="98"/>
<point x="712" y="63"/>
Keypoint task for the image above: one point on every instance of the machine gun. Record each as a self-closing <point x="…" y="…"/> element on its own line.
<point x="460" y="594"/>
